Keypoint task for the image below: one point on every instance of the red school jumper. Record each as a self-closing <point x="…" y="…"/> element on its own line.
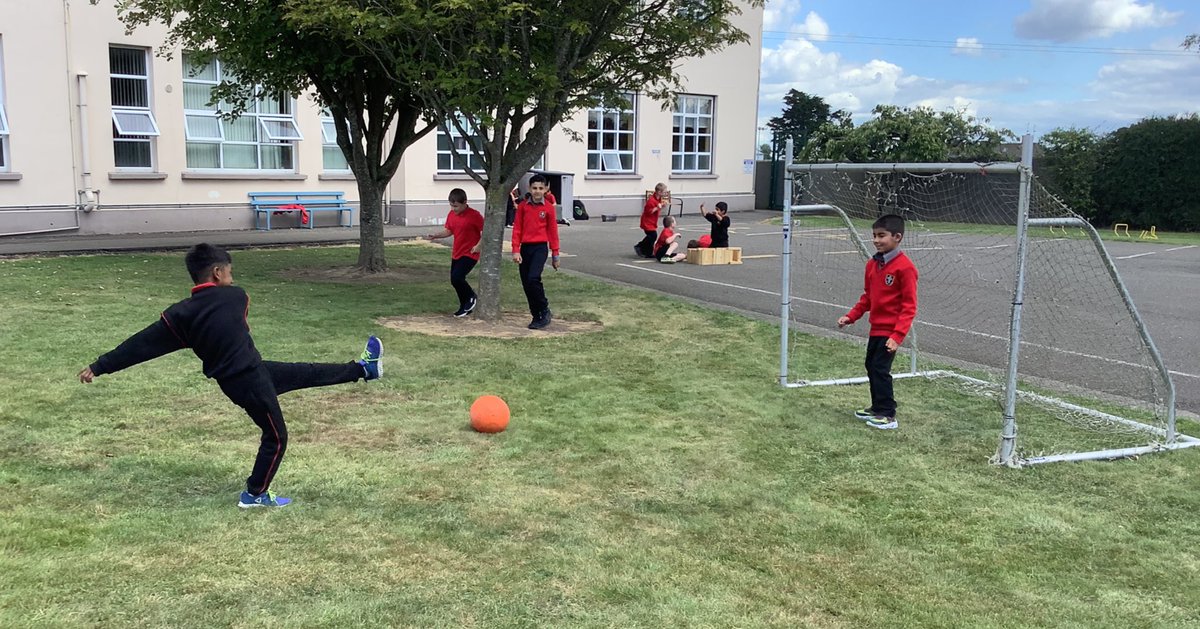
<point x="650" y="213"/>
<point x="890" y="295"/>
<point x="467" y="229"/>
<point x="534" y="223"/>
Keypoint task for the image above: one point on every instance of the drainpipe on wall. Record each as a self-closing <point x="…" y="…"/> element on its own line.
<point x="88" y="197"/>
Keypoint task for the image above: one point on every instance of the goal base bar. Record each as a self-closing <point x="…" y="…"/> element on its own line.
<point x="1184" y="441"/>
<point x="860" y="379"/>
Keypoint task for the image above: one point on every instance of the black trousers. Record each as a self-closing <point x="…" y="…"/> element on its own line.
<point x="533" y="260"/>
<point x="879" y="374"/>
<point x="647" y="243"/>
<point x="459" y="269"/>
<point x="257" y="391"/>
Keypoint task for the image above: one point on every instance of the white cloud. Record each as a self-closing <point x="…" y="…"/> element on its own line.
<point x="778" y="15"/>
<point x="815" y="28"/>
<point x="1118" y="94"/>
<point x="1076" y="20"/>
<point x="968" y="46"/>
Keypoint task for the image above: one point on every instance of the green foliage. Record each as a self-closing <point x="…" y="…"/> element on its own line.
<point x="506" y="72"/>
<point x="803" y="115"/>
<point x="905" y="134"/>
<point x="1148" y="174"/>
<point x="274" y="47"/>
<point x="1068" y="167"/>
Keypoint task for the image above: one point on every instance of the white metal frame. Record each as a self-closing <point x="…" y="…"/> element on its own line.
<point x="124" y="115"/>
<point x="688" y="109"/>
<point x="597" y="137"/>
<point x="1165" y="438"/>
<point x="264" y="136"/>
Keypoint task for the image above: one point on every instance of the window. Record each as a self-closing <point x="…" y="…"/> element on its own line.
<point x="4" y="167"/>
<point x="466" y="159"/>
<point x="612" y="132"/>
<point x="691" y="135"/>
<point x="262" y="138"/>
<point x="134" y="127"/>
<point x="332" y="156"/>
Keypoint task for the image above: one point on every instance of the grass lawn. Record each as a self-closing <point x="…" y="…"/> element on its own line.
<point x="653" y="475"/>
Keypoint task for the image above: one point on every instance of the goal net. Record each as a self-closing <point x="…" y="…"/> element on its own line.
<point x="1001" y="261"/>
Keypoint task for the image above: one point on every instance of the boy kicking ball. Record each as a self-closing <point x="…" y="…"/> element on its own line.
<point x="212" y="322"/>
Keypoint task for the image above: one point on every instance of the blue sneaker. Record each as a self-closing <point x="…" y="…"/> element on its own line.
<point x="883" y="423"/>
<point x="265" y="499"/>
<point x="372" y="359"/>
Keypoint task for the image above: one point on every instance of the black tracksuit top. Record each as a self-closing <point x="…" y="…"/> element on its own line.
<point x="212" y="322"/>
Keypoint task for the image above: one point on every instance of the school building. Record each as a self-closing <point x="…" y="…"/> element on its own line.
<point x="100" y="134"/>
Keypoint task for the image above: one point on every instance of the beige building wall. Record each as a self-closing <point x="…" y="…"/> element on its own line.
<point x="55" y="86"/>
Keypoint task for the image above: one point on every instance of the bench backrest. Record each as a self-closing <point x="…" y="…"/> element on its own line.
<point x="270" y="199"/>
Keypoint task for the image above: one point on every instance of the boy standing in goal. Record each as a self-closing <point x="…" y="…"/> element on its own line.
<point x="212" y="322"/>
<point x="890" y="295"/>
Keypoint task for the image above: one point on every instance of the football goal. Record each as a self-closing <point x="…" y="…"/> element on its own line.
<point x="1019" y="301"/>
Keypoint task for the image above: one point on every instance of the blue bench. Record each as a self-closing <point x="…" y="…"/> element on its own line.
<point x="265" y="204"/>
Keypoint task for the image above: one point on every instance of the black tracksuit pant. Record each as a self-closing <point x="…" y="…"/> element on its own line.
<point x="257" y="391"/>
<point x="533" y="260"/>
<point x="879" y="375"/>
<point x="647" y="244"/>
<point x="459" y="269"/>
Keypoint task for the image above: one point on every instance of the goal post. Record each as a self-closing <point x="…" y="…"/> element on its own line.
<point x="1010" y="305"/>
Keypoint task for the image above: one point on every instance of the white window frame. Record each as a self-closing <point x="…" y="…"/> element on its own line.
<point x="146" y="113"/>
<point x="329" y="143"/>
<point x="472" y="161"/>
<point x="5" y="164"/>
<point x="605" y="157"/>
<point x="264" y="135"/>
<point x="291" y="131"/>
<point x="194" y="136"/>
<point x="689" y="109"/>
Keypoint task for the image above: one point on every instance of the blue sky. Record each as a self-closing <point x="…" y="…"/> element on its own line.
<point x="1026" y="65"/>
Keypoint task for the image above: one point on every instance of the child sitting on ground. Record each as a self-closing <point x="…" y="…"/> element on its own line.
<point x="667" y="245"/>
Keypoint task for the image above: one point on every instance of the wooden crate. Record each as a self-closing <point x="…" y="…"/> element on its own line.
<point x="723" y="255"/>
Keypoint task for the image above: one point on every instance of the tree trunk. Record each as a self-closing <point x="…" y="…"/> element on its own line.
<point x="371" y="257"/>
<point x="491" y="256"/>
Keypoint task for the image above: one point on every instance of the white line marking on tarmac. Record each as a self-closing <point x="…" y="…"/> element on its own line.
<point x="935" y="325"/>
<point x="1150" y="253"/>
<point x="765" y="234"/>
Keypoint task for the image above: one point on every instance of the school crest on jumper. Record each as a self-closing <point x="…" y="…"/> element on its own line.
<point x="889" y="279"/>
<point x="542" y="215"/>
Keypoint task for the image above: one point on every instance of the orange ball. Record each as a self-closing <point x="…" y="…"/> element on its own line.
<point x="489" y="413"/>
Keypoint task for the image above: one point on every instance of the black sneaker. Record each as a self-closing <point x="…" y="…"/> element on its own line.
<point x="540" y="321"/>
<point x="467" y="309"/>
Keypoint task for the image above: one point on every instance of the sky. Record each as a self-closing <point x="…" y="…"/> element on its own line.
<point x="1029" y="66"/>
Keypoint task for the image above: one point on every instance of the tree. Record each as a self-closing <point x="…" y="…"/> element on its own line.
<point x="765" y="152"/>
<point x="1191" y="41"/>
<point x="510" y="71"/>
<point x="917" y="134"/>
<point x="271" y="52"/>
<point x="802" y="116"/>
<point x="1148" y="174"/>
<point x="1069" y="166"/>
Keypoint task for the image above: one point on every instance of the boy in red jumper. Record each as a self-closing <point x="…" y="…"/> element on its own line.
<point x="667" y="244"/>
<point x="649" y="224"/>
<point x="465" y="224"/>
<point x="535" y="229"/>
<point x="890" y="295"/>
